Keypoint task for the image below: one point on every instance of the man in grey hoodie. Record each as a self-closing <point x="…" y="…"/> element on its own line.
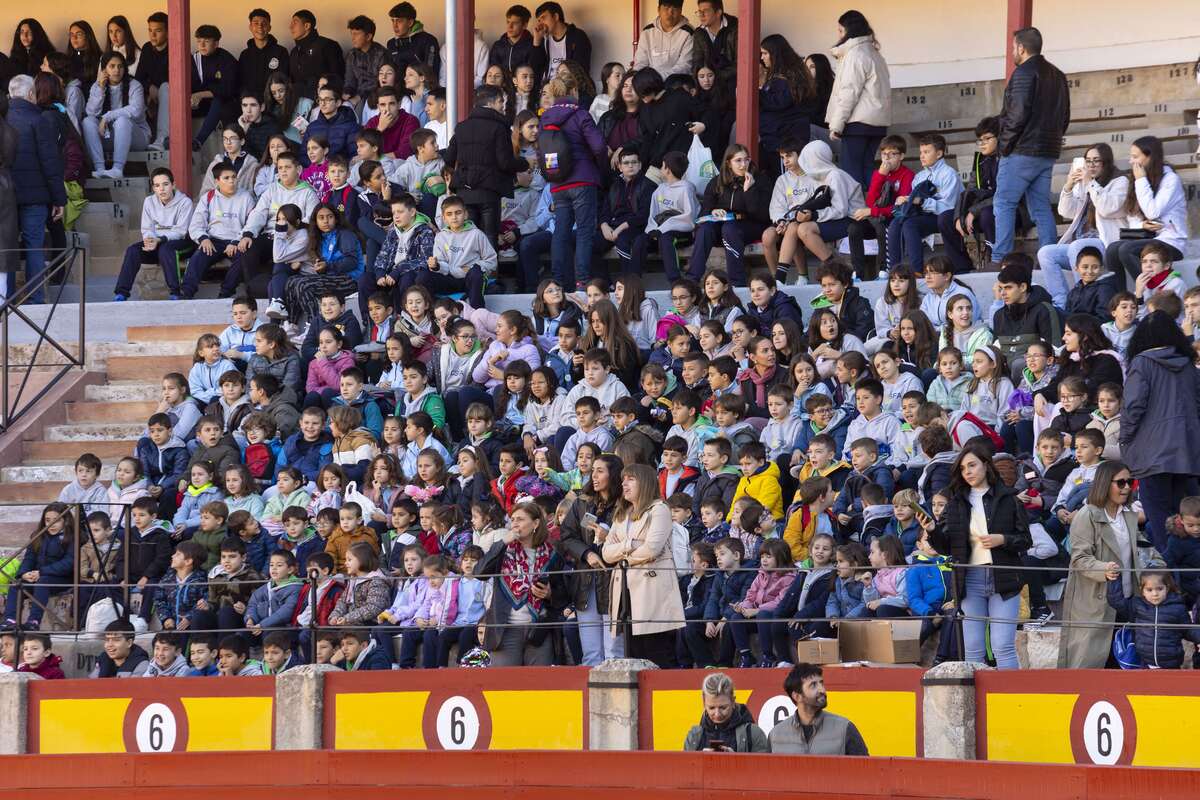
<point x="217" y="223"/>
<point x="165" y="217"/>
<point x="167" y="661"/>
<point x="462" y="257"/>
<point x="255" y="245"/>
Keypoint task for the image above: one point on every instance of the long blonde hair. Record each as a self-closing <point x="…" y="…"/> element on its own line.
<point x="647" y="494"/>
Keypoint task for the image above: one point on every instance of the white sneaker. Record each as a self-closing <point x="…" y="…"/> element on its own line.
<point x="158" y="147"/>
<point x="291" y="329"/>
<point x="276" y="310"/>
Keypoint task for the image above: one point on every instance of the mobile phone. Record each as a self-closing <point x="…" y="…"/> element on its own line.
<point x="922" y="515"/>
<point x="717" y="744"/>
<point x="589" y="519"/>
<point x="1079" y="162"/>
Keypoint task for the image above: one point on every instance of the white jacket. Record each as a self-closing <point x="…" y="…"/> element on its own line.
<point x="607" y="393"/>
<point x="1168" y="205"/>
<point x="669" y="52"/>
<point x="816" y="161"/>
<point x="1109" y="202"/>
<point x="862" y="87"/>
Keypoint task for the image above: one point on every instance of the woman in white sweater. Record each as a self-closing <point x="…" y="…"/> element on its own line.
<point x="115" y="118"/>
<point x="1154" y="202"/>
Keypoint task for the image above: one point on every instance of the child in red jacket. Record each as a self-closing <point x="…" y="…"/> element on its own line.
<point x="890" y="181"/>
<point x="37" y="658"/>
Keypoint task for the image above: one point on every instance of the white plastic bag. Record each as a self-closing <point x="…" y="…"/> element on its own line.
<point x="101" y="613"/>
<point x="365" y="503"/>
<point x="701" y="168"/>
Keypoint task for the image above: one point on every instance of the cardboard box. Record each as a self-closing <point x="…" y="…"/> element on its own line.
<point x="887" y="641"/>
<point x="817" y="651"/>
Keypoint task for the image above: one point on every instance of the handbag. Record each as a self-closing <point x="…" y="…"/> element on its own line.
<point x="822" y="198"/>
<point x="1135" y="234"/>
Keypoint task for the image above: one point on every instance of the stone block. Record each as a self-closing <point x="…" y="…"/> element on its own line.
<point x="1037" y="648"/>
<point x="613" y="703"/>
<point x="299" y="707"/>
<point x="949" y="710"/>
<point x="14" y="696"/>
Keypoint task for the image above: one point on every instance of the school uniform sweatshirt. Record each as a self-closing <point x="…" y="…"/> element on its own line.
<point x="262" y="218"/>
<point x="679" y="197"/>
<point x="790" y="191"/>
<point x="219" y="217"/>
<point x="291" y="246"/>
<point x="458" y="251"/>
<point x="170" y="221"/>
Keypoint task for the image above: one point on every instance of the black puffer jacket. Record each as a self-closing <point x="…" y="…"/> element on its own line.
<point x="1157" y="644"/>
<point x="1006" y="516"/>
<point x="662" y="127"/>
<point x="751" y="206"/>
<point x="311" y="57"/>
<point x="481" y="154"/>
<point x="1021" y="324"/>
<point x="1037" y="110"/>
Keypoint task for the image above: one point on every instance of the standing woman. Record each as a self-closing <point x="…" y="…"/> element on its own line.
<point x="1103" y="548"/>
<point x="860" y="105"/>
<point x="641" y="536"/>
<point x="8" y="200"/>
<point x="116" y="117"/>
<point x="581" y="543"/>
<point x="737" y="201"/>
<point x="984" y="529"/>
<point x="786" y="100"/>
<point x="120" y="40"/>
<point x="1155" y="202"/>
<point x="30" y="46"/>
<point x="1160" y="420"/>
<point x="520" y="559"/>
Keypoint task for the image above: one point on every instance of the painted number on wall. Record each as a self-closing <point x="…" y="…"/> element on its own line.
<point x="457" y="724"/>
<point x="156" y="729"/>
<point x="774" y="711"/>
<point x="1103" y="733"/>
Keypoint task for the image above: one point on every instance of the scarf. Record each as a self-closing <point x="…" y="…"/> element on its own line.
<point x="1161" y="278"/>
<point x="196" y="491"/>
<point x="761" y="383"/>
<point x="519" y="572"/>
<point x="727" y="731"/>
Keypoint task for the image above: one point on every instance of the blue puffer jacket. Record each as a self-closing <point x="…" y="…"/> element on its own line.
<point x="163" y="466"/>
<point x="725" y="590"/>
<point x="1157" y="646"/>
<point x="188" y="513"/>
<point x="340" y="131"/>
<point x="306" y="456"/>
<point x="342" y="252"/>
<point x="587" y="144"/>
<point x="271" y="606"/>
<point x="53" y="558"/>
<point x="37" y="171"/>
<point x="1184" y="552"/>
<point x="926" y="585"/>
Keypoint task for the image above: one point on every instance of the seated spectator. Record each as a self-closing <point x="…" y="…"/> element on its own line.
<point x="395" y="125"/>
<point x="673" y="211"/>
<point x="1154" y="201"/>
<point x="182" y="587"/>
<point x="359" y="652"/>
<point x="233" y="153"/>
<point x="37" y="658"/>
<point x="363" y="60"/>
<point x="935" y="190"/>
<point x="665" y="45"/>
<point x="46" y="566"/>
<point x="233" y="659"/>
<point x="116" y="118"/>
<point x="462" y="257"/>
<point x="832" y="222"/>
<point x="216" y="224"/>
<point x="892" y="180"/>
<point x="972" y="214"/>
<point x="290" y="110"/>
<point x="1027" y="316"/>
<point x="335" y="122"/>
<point x="214" y="84"/>
<point x="271" y="604"/>
<point x="262" y="56"/>
<point x="734" y="207"/>
<point x="726" y="726"/>
<point x="312" y="56"/>
<point x="1093" y="292"/>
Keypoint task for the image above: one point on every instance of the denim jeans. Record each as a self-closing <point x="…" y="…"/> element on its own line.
<point x="981" y="600"/>
<point x="574" y="227"/>
<point x="167" y="255"/>
<point x="1028" y="177"/>
<point x="595" y="632"/>
<point x="1055" y="258"/>
<point x="32" y="219"/>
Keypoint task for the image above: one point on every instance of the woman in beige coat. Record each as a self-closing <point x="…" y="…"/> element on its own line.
<point x="1103" y="548"/>
<point x="641" y="535"/>
<point x="860" y="106"/>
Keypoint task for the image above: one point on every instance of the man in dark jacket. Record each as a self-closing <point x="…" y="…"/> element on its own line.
<point x="481" y="156"/>
<point x="412" y="44"/>
<point x="576" y="194"/>
<point x="515" y="47"/>
<point x="313" y="55"/>
<point x="214" y="84"/>
<point x="1037" y="110"/>
<point x="363" y="60"/>
<point x="37" y="175"/>
<point x="714" y="41"/>
<point x="1028" y="315"/>
<point x="560" y="41"/>
<point x="262" y="56"/>
<point x="336" y="123"/>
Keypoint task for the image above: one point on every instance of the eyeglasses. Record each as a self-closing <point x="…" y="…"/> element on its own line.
<point x="326" y="99"/>
<point x="1093" y="162"/>
<point x="467" y="336"/>
<point x="678" y="297"/>
<point x="1123" y="483"/>
<point x="987" y="137"/>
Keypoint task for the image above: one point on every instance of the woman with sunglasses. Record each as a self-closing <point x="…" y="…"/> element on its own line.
<point x="1103" y="548"/>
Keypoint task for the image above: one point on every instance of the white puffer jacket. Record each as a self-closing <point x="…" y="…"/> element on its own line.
<point x="862" y="87"/>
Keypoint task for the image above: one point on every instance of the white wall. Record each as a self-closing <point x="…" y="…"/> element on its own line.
<point x="927" y="42"/>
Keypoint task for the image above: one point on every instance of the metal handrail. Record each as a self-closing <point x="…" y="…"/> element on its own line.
<point x="62" y="265"/>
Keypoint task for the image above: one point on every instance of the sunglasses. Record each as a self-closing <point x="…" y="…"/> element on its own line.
<point x="1123" y="483"/>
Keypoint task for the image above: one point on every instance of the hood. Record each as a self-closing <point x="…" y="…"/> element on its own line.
<point x="770" y="470"/>
<point x="729" y="470"/>
<point x="840" y="50"/>
<point x="271" y="42"/>
<point x="816" y="159"/>
<point x="174" y="441"/>
<point x="839" y="416"/>
<point x="417" y="27"/>
<point x="1166" y="358"/>
<point x="176" y="668"/>
<point x="563" y="109"/>
<point x="883" y="510"/>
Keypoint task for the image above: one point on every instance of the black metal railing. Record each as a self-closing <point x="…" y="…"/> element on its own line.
<point x="16" y="401"/>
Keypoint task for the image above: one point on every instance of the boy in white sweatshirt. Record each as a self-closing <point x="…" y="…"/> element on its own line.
<point x="165" y="217"/>
<point x="462" y="256"/>
<point x="217" y="222"/>
<point x="673" y="211"/>
<point x="421" y="173"/>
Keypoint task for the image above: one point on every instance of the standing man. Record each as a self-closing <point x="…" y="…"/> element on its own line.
<point x="412" y="44"/>
<point x="214" y="84"/>
<point x="262" y="56"/>
<point x="813" y="731"/>
<point x="37" y="173"/>
<point x="152" y="75"/>
<point x="1037" y="110"/>
<point x="666" y="44"/>
<point x="363" y="59"/>
<point x="714" y="43"/>
<point x="559" y="41"/>
<point x="314" y="55"/>
<point x="515" y="47"/>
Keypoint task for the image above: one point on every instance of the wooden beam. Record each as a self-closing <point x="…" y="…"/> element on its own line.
<point x="464" y="35"/>
<point x="1020" y="15"/>
<point x="179" y="76"/>
<point x="749" y="18"/>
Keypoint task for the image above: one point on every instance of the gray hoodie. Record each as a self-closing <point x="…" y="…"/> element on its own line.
<point x="790" y="191"/>
<point x="678" y="196"/>
<point x="458" y="251"/>
<point x="219" y="217"/>
<point x="176" y="669"/>
<point x="276" y="195"/>
<point x="292" y="246"/>
<point x="168" y="222"/>
<point x="93" y="498"/>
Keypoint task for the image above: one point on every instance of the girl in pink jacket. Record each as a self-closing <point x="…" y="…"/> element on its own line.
<point x="775" y="575"/>
<point x="325" y="371"/>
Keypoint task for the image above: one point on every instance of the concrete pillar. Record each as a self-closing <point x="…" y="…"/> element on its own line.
<point x="300" y="707"/>
<point x="14" y="699"/>
<point x="613" y="704"/>
<point x="948" y="710"/>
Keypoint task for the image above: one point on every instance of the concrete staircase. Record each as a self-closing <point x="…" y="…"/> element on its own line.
<point x="107" y="422"/>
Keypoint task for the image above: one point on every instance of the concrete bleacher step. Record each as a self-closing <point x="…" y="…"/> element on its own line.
<point x="94" y="431"/>
<point x="172" y="333"/>
<point x="55" y="452"/>
<point x="123" y="392"/>
<point x="32" y="492"/>
<point x="34" y="473"/>
<point x="111" y="411"/>
<point x="146" y="368"/>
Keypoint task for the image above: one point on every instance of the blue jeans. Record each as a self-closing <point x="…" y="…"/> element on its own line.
<point x="574" y="227"/>
<point x="1055" y="258"/>
<point x="32" y="219"/>
<point x="1028" y="177"/>
<point x="981" y="600"/>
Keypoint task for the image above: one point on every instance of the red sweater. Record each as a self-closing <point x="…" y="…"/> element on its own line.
<point x="901" y="180"/>
<point x="396" y="138"/>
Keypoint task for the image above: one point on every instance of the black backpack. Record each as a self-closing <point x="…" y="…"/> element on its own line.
<point x="554" y="154"/>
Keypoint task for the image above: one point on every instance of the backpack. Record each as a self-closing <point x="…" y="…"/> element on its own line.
<point x="987" y="430"/>
<point x="260" y="461"/>
<point x="554" y="153"/>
